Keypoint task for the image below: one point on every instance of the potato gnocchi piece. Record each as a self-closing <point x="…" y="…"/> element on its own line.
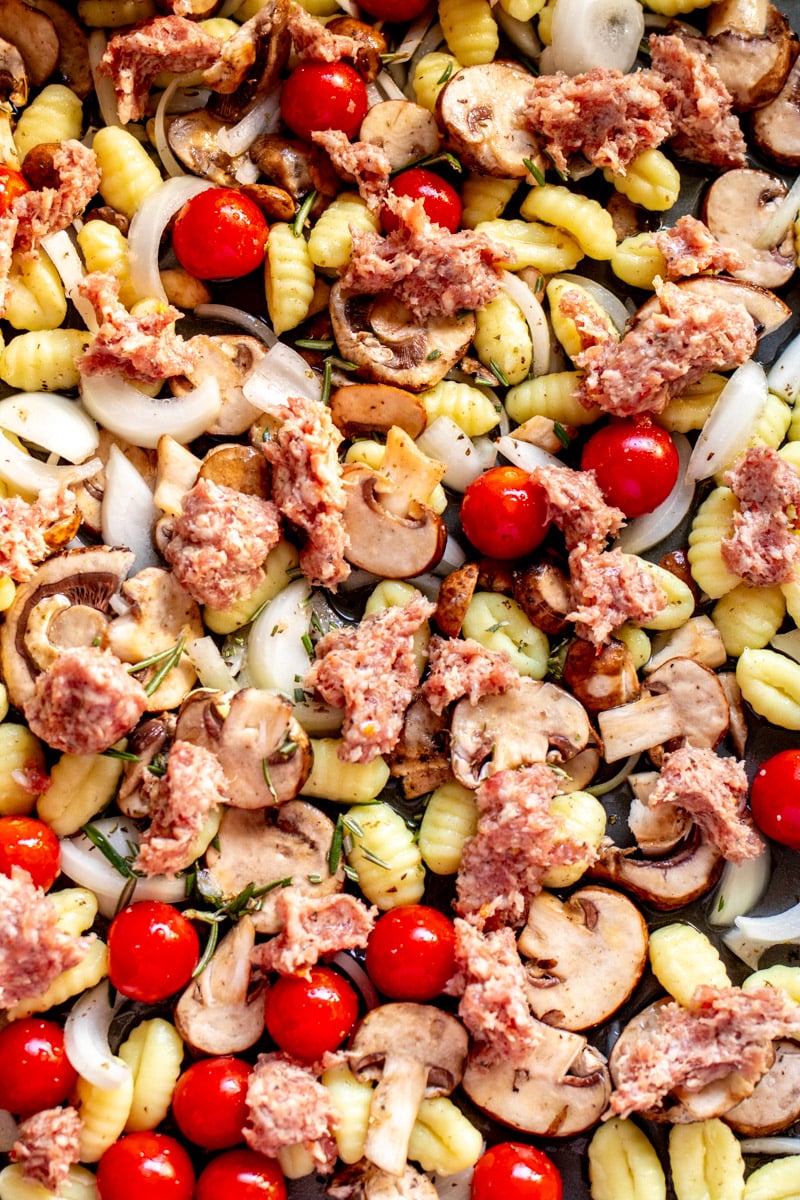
<point x="385" y="856"/>
<point x="35" y="299"/>
<point x="581" y="818"/>
<point x="332" y="778"/>
<point x="637" y="642"/>
<point x="104" y="1113"/>
<point x="105" y="248"/>
<point x="44" y="360"/>
<point x="443" y="1139"/>
<point x="778" y="975"/>
<point x="112" y="14"/>
<point x="680" y="601"/>
<point x="127" y="172"/>
<point x="484" y="198"/>
<point x="564" y="326"/>
<point x="623" y="1164"/>
<point x="706" y="1161"/>
<point x="470" y="30"/>
<point x="86" y="974"/>
<point x="748" y="617"/>
<point x="431" y="74"/>
<point x="280" y="568"/>
<point x="554" y="396"/>
<point x="471" y="409"/>
<point x="288" y="278"/>
<point x="154" y="1052"/>
<point x="651" y="180"/>
<point x="690" y="410"/>
<point x="712" y="522"/>
<point x="637" y="261"/>
<point x="352" y="1101"/>
<point x="503" y="341"/>
<point x="449" y="821"/>
<point x="585" y="219"/>
<point x="777" y="1180"/>
<point x="81" y="785"/>
<point x="498" y="623"/>
<point x="18" y="748"/>
<point x="330" y="243"/>
<point x="683" y="958"/>
<point x="54" y="115"/>
<point x="544" y="247"/>
<point x="770" y="683"/>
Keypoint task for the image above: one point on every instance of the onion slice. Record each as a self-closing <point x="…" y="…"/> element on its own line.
<point x="739" y="890"/>
<point x="518" y="291"/>
<point x="356" y="973"/>
<point x="446" y="442"/>
<point x="128" y="513"/>
<point x="596" y="33"/>
<point x="526" y="455"/>
<point x="173" y="167"/>
<point x="141" y="419"/>
<point x="778" y="929"/>
<point x="29" y="474"/>
<point x="51" y="421"/>
<point x="86" y="1040"/>
<point x="69" y="264"/>
<point x="147" y="227"/>
<point x="212" y="669"/>
<point x="281" y="373"/>
<point x="788" y="644"/>
<point x="86" y="865"/>
<point x="103" y="84"/>
<point x="648" y="530"/>
<point x="744" y="947"/>
<point x="263" y="117"/>
<point x="519" y="33"/>
<point x="777" y="226"/>
<point x="610" y="303"/>
<point x="276" y="655"/>
<point x="237" y="316"/>
<point x="783" y="377"/>
<point x="731" y="423"/>
<point x="770" y="1145"/>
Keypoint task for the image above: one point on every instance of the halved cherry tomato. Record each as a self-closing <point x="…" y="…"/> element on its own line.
<point x="241" y="1175"/>
<point x="308" y="1014"/>
<point x="394" y="10"/>
<point x="12" y="185"/>
<point x="775" y="798"/>
<point x="515" y="1171"/>
<point x="30" y="844"/>
<point x="320" y="95"/>
<point x="220" y="234"/>
<point x="209" y="1102"/>
<point x="411" y="952"/>
<point x="440" y="201"/>
<point x="635" y="462"/>
<point x="152" y="951"/>
<point x="145" y="1166"/>
<point x="504" y="513"/>
<point x="35" y="1072"/>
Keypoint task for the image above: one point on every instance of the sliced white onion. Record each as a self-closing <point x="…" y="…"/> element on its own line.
<point x="147" y="228"/>
<point x="783" y="377"/>
<point x="276" y="657"/>
<point x="779" y="929"/>
<point x="353" y="969"/>
<point x="173" y="167"/>
<point x="416" y="31"/>
<point x="627" y="768"/>
<point x="782" y="216"/>
<point x="446" y="442"/>
<point x="454" y="557"/>
<point x="246" y="171"/>
<point x="141" y="419"/>
<point x="9" y="1130"/>
<point x="350" y="7"/>
<point x="263" y="117"/>
<point x="388" y="86"/>
<point x="280" y="374"/>
<point x="237" y="316"/>
<point x="319" y="719"/>
<point x="127" y="512"/>
<point x="643" y="532"/>
<point x="29" y="474"/>
<point x="455" y="1187"/>
<point x="739" y="890"/>
<point x="605" y="298"/>
<point x="52" y="421"/>
<point x="432" y="40"/>
<point x="519" y="33"/>
<point x="212" y="669"/>
<point x="526" y="455"/>
<point x="596" y="33"/>
<point x="103" y="84"/>
<point x="743" y="947"/>
<point x="86" y="1040"/>
<point x="731" y="423"/>
<point x="69" y="264"/>
<point x="85" y="864"/>
<point x="788" y="643"/>
<point x="518" y="291"/>
<point x="770" y="1145"/>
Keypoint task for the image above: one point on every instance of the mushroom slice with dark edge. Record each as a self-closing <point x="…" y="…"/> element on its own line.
<point x="559" y="1089"/>
<point x="602" y="678"/>
<point x="253" y="67"/>
<point x="406" y="132"/>
<point x="34" y="34"/>
<point x="421" y="756"/>
<point x="542" y="592"/>
<point x="482" y="109"/>
<point x="454" y="598"/>
<point x="359" y="408"/>
<point x="193" y="138"/>
<point x="242" y="468"/>
<point x="13" y="77"/>
<point x="776" y="126"/>
<point x="229" y="358"/>
<point x="666" y="883"/>
<point x="658" y="831"/>
<point x="774" y="1103"/>
<point x="596" y="935"/>
<point x="736" y="208"/>
<point x="768" y="311"/>
<point x="751" y="46"/>
<point x="221" y="1012"/>
<point x="699" y="639"/>
<point x="73" y="47"/>
<point x="388" y="345"/>
<point x="414" y="1051"/>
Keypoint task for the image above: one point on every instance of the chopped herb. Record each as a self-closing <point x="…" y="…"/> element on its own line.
<point x="720" y="904"/>
<point x="316" y="623"/>
<point x="144" y="663"/>
<point x="287" y="747"/>
<point x="302" y="214"/>
<point x="125" y="755"/>
<point x="208" y="951"/>
<point x="268" y="780"/>
<point x="528" y="64"/>
<point x="352" y="826"/>
<point x="373" y="858"/>
<point x="327" y="372"/>
<point x="118" y="862"/>
<point x="126" y="894"/>
<point x="562" y="175"/>
<point x="539" y="286"/>
<point x="446" y="73"/>
<point x="275" y="629"/>
<point x="314" y="878"/>
<point x="430" y="160"/>
<point x="337" y="842"/>
<point x="434" y="354"/>
<point x="299" y="696"/>
<point x="351" y="873"/>
<point x="308" y="645"/>
<point x="555" y="660"/>
<point x="315" y="343"/>
<point x="497" y="626"/>
<point x="561" y="434"/>
<point x="344" y="364"/>
<point x="170" y="662"/>
<point x="534" y="171"/>
<point x="498" y="373"/>
<point x="644" y="48"/>
<point x="96" y="640"/>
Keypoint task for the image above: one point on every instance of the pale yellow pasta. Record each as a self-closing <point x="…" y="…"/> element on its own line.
<point x="54" y="115"/>
<point x="586" y="219"/>
<point x="44" y="360"/>
<point x="651" y="180"/>
<point x="443" y="1139"/>
<point x="793" y="433"/>
<point x="770" y="429"/>
<point x="18" y="748"/>
<point x="637" y="641"/>
<point x="8" y="591"/>
<point x="791" y="594"/>
<point x="80" y="786"/>
<point x="545" y="23"/>
<point x="288" y="277"/>
<point x="318" y="8"/>
<point x="674" y="8"/>
<point x="80" y="1184"/>
<point x="680" y="601"/>
<point x="351" y="1101"/>
<point x="637" y="260"/>
<point x="690" y="410"/>
<point x="791" y="454"/>
<point x="712" y="522"/>
<point x="778" y="975"/>
<point x="86" y="974"/>
<point x="545" y="247"/>
<point x="330" y="243"/>
<point x="580" y="818"/>
<point x="706" y="1161"/>
<point x="35" y="298"/>
<point x="296" y="1162"/>
<point x="219" y="27"/>
<point x="431" y="74"/>
<point x="503" y="340"/>
<point x="111" y="14"/>
<point x="498" y="623"/>
<point x="154" y="1052"/>
<point x="105" y="248"/>
<point x="392" y="593"/>
<point x="104" y="1113"/>
<point x="470" y="30"/>
<point x="748" y="617"/>
<point x="76" y="909"/>
<point x="484" y="198"/>
<point x="279" y="570"/>
<point x="346" y="782"/>
<point x="770" y="683"/>
<point x="682" y="958"/>
<point x="384" y="854"/>
<point x="449" y="821"/>
<point x="554" y="396"/>
<point x="623" y="1164"/>
<point x="471" y="409"/>
<point x="776" y="1180"/>
<point x="127" y="172"/>
<point x="522" y="10"/>
<point x="564" y="326"/>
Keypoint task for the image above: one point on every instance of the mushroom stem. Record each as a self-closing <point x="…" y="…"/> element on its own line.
<point x="395" y="1103"/>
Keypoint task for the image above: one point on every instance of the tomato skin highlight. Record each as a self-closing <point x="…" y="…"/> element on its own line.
<point x="220" y="234"/>
<point x="241" y="1175"/>
<point x="29" y="843"/>
<point x="411" y="953"/>
<point x="775" y="798"/>
<point x="209" y="1102"/>
<point x="440" y="201"/>
<point x="515" y="1171"/>
<point x="635" y="463"/>
<point x="504" y="513"/>
<point x="319" y="95"/>
<point x="152" y="951"/>
<point x="35" y="1072"/>
<point x="145" y="1166"/>
<point x="306" y="1015"/>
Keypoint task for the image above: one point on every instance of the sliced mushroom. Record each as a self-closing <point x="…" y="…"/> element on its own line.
<point x="221" y="1012"/>
<point x="482" y="109"/>
<point x="542" y="592"/>
<point x="699" y="639"/>
<point x="774" y="1103"/>
<point x="601" y="679"/>
<point x="372" y="44"/>
<point x="658" y="831"/>
<point x="751" y="46"/>
<point x="274" y="202"/>
<point x="388" y="345"/>
<point x="148" y="740"/>
<point x="421" y="756"/>
<point x="666" y="883"/>
<point x="733" y="694"/>
<point x="34" y="34"/>
<point x="736" y="208"/>
<point x="454" y="597"/>
<point x="195" y="10"/>
<point x="405" y="131"/>
<point x="193" y="138"/>
<point x="388" y="543"/>
<point x="767" y="310"/>
<point x="363" y="1181"/>
<point x="414" y="1051"/>
<point x="242" y="468"/>
<point x="360" y="408"/>
<point x="229" y="358"/>
<point x="73" y="47"/>
<point x="776" y="126"/>
<point x="13" y="77"/>
<point x="295" y="166"/>
<point x="251" y="61"/>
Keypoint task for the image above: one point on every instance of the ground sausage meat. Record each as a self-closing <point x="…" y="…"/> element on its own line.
<point x="370" y="166"/>
<point x="313" y="41"/>
<point x="47" y="1146"/>
<point x="85" y="701"/>
<point x="286" y="1106"/>
<point x="689" y="247"/>
<point x="50" y="209"/>
<point x="463" y="667"/>
<point x="313" y="926"/>
<point x="370" y="670"/>
<point x="23" y="530"/>
<point x="704" y="125"/>
<point x="33" y="950"/>
<point x="591" y="324"/>
<point x="764" y="548"/>
<point x="133" y="59"/>
<point x="608" y="588"/>
<point x="193" y="786"/>
<point x="578" y="508"/>
<point x="220" y="542"/>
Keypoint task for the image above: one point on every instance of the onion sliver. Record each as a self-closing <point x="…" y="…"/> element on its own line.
<point x="519" y="33"/>
<point x="518" y="291"/>
<point x="237" y="316"/>
<point x="281" y="373"/>
<point x="263" y="117"/>
<point x="743" y="947"/>
<point x="353" y="969"/>
<point x="596" y="33"/>
<point x="739" y="890"/>
<point x="783" y="377"/>
<point x="776" y="930"/>
<point x="526" y="455"/>
<point x="454" y="557"/>
<point x="173" y="167"/>
<point x="602" y="789"/>
<point x="212" y="669"/>
<point x="788" y="643"/>
<point x="650" y="529"/>
<point x="455" y="1187"/>
<point x="85" y="864"/>
<point x="127" y="512"/>
<point x="276" y="655"/>
<point x="29" y="474"/>
<point x="446" y="442"/>
<point x="141" y="419"/>
<point x="732" y="422"/>
<point x="51" y="421"/>
<point x="69" y="264"/>
<point x="606" y="299"/>
<point x="103" y="84"/>
<point x="147" y="228"/>
<point x="86" y="1040"/>
<point x="778" y="224"/>
<point x="770" y="1145"/>
<point x="388" y="86"/>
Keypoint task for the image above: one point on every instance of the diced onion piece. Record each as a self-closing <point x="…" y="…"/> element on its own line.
<point x="788" y="643"/>
<point x="606" y="299"/>
<point x="141" y="419"/>
<point x="776" y="930"/>
<point x="596" y="33"/>
<point x="388" y="86"/>
<point x="29" y="474"/>
<point x="263" y="117"/>
<point x="353" y="969"/>
<point x="526" y="455"/>
<point x="648" y="530"/>
<point x="212" y="669"/>
<point x="739" y="890"/>
<point x="69" y="264"/>
<point x="602" y="789"/>
<point x="51" y="421"/>
<point x="770" y="1145"/>
<point x="276" y="657"/>
<point x="237" y="316"/>
<point x="280" y="374"/>
<point x="518" y="291"/>
<point x="147" y="228"/>
<point x="173" y="167"/>
<point x="416" y="31"/>
<point x="103" y="84"/>
<point x="778" y="224"/>
<point x="128" y="513"/>
<point x="446" y="442"/>
<point x="744" y="947"/>
<point x="454" y="557"/>
<point x="519" y="33"/>
<point x="783" y="377"/>
<point x="9" y="1130"/>
<point x="86" y="1039"/>
<point x="455" y="1187"/>
<point x="85" y="864"/>
<point x="731" y="423"/>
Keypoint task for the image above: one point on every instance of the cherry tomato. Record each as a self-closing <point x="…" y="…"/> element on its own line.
<point x="35" y="1072"/>
<point x="30" y="844"/>
<point x="440" y="201"/>
<point x="514" y="1171"/>
<point x="152" y="951"/>
<point x="394" y="10"/>
<point x="775" y="798"/>
<point x="209" y="1102"/>
<point x="220" y="234"/>
<point x="241" y="1175"/>
<point x="411" y="952"/>
<point x="308" y="1014"/>
<point x="635" y="462"/>
<point x="320" y="95"/>
<point x="504" y="513"/>
<point x="12" y="185"/>
<point x="145" y="1166"/>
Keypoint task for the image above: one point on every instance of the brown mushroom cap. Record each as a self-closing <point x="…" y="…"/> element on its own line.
<point x="767" y="310"/>
<point x="360" y="408"/>
<point x="666" y="883"/>
<point x="221" y="1012"/>
<point x="421" y="756"/>
<point x="601" y="679"/>
<point x="752" y="61"/>
<point x="736" y="208"/>
<point x="482" y="109"/>
<point x="395" y="546"/>
<point x="776" y="126"/>
<point x="34" y="35"/>
<point x="193" y="138"/>
<point x="13" y="77"/>
<point x="774" y="1103"/>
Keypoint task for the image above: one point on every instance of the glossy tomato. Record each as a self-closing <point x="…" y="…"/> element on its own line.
<point x="220" y="234"/>
<point x="504" y="513"/>
<point x="35" y="1072"/>
<point x="775" y="798"/>
<point x="209" y="1103"/>
<point x="12" y="185"/>
<point x="411" y="952"/>
<point x="152" y="951"/>
<point x="440" y="201"/>
<point x="320" y="95"/>
<point x="241" y="1175"/>
<point x="30" y="844"/>
<point x="394" y="10"/>
<point x="145" y="1166"/>
<point x="515" y="1171"/>
<point x="308" y="1014"/>
<point x="635" y="462"/>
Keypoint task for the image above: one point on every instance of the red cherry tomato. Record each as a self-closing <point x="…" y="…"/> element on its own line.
<point x="319" y="95"/>
<point x="504" y="513"/>
<point x="12" y="185"/>
<point x="775" y="798"/>
<point x="220" y="234"/>
<point x="35" y="1072"/>
<point x="308" y="1014"/>
<point x="635" y="462"/>
<point x="30" y="844"/>
<point x="514" y="1171"/>
<point x="440" y="201"/>
<point x="145" y="1166"/>
<point x="411" y="952"/>
<point x="209" y="1102"/>
<point x="394" y="10"/>
<point x="241" y="1175"/>
<point x="152" y="951"/>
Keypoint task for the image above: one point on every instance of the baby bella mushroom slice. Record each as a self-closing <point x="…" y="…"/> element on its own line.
<point x="414" y="1051"/>
<point x="774" y="1103"/>
<point x="751" y="45"/>
<point x="767" y="310"/>
<point x="482" y="109"/>
<point x="737" y="207"/>
<point x="221" y="1012"/>
<point x="359" y="408"/>
<point x="666" y="883"/>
